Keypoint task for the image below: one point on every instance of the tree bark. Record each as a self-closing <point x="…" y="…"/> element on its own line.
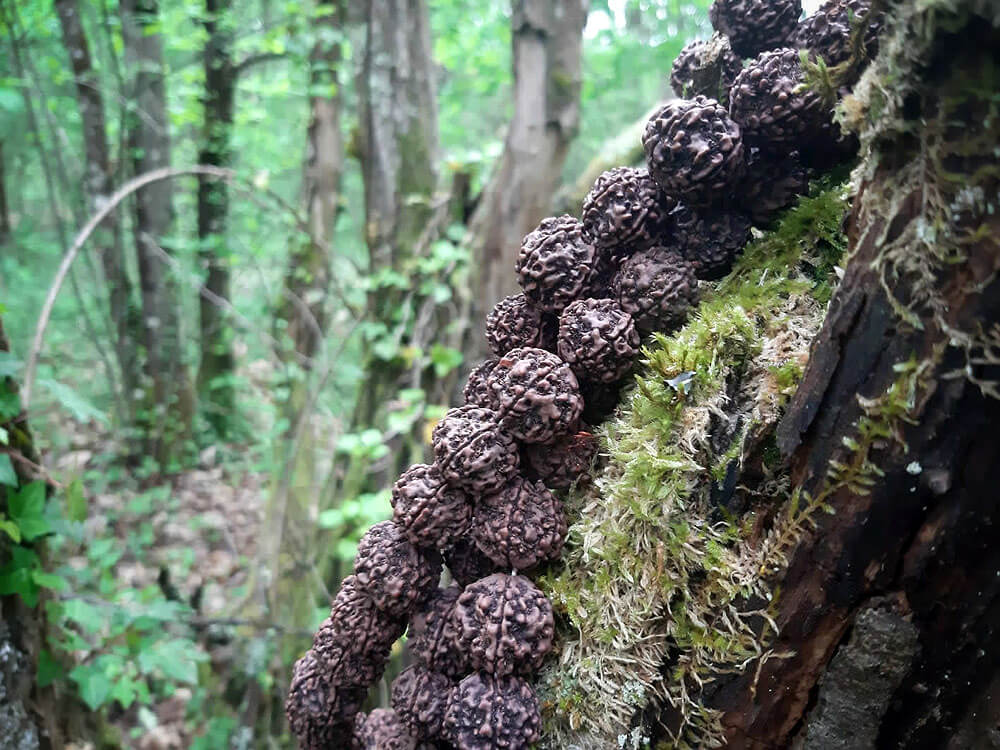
<point x="170" y="398"/>
<point x="398" y="149"/>
<point x="888" y="612"/>
<point x="307" y="280"/>
<point x="547" y="42"/>
<point x="20" y="626"/>
<point x="98" y="185"/>
<point x="215" y="384"/>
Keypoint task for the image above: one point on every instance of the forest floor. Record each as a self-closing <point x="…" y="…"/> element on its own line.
<point x="194" y="536"/>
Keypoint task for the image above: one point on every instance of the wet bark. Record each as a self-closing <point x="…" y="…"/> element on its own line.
<point x="547" y="42"/>
<point x="215" y="375"/>
<point x="888" y="613"/>
<point x="170" y="398"/>
<point x="98" y="185"/>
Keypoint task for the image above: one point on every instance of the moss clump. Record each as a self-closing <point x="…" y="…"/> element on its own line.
<point x="650" y="574"/>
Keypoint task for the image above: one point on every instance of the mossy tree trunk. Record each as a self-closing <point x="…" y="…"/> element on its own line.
<point x="889" y="612"/>
<point x="547" y="40"/>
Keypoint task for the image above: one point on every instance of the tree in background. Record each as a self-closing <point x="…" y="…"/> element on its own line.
<point x="547" y="49"/>
<point x="170" y="402"/>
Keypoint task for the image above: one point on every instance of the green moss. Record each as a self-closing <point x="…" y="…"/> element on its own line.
<point x="650" y="571"/>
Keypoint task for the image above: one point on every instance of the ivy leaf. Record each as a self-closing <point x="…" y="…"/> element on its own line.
<point x="93" y="684"/>
<point x="445" y="359"/>
<point x="76" y="503"/>
<point x="27" y="509"/>
<point x="12" y="530"/>
<point x="8" y="477"/>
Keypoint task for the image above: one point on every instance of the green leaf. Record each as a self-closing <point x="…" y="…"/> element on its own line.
<point x="8" y="477"/>
<point x="176" y="659"/>
<point x="11" y="529"/>
<point x="445" y="359"/>
<point x="81" y="409"/>
<point x="49" y="670"/>
<point x="27" y="509"/>
<point x="49" y="580"/>
<point x="76" y="503"/>
<point x="89" y="617"/>
<point x="93" y="684"/>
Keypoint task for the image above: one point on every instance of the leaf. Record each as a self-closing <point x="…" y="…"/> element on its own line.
<point x="49" y="670"/>
<point x="49" y="580"/>
<point x="76" y="503"/>
<point x="11" y="529"/>
<point x="27" y="509"/>
<point x="176" y="659"/>
<point x="93" y="684"/>
<point x="81" y="409"/>
<point x="8" y="476"/>
<point x="445" y="359"/>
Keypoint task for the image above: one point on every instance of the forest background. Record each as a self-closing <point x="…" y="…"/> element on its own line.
<point x="242" y="359"/>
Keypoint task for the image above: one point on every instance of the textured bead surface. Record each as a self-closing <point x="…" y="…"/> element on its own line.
<point x="505" y="625"/>
<point x="432" y="512"/>
<point x="537" y="395"/>
<point x="706" y="67"/>
<point x="320" y="713"/>
<point x="564" y="462"/>
<point x="433" y="636"/>
<point x="486" y="713"/>
<point x="694" y="150"/>
<point x="514" y="322"/>
<point x="773" y="106"/>
<point x="773" y="182"/>
<point x="656" y="287"/>
<point x="520" y="525"/>
<point x="597" y="339"/>
<point x="625" y="211"/>
<point x="383" y="729"/>
<point x="419" y="697"/>
<point x="473" y="451"/>
<point x="827" y="32"/>
<point x="755" y="25"/>
<point x="710" y="240"/>
<point x="555" y="263"/>
<point x="396" y="574"/>
<point x="475" y="392"/>
<point x="467" y="563"/>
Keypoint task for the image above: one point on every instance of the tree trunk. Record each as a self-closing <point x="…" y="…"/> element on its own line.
<point x="888" y="614"/>
<point x="547" y="47"/>
<point x="4" y="207"/>
<point x="170" y="398"/>
<point x="296" y="499"/>
<point x="215" y="376"/>
<point x="307" y="280"/>
<point x="399" y="149"/>
<point x="20" y="626"/>
<point x="98" y="187"/>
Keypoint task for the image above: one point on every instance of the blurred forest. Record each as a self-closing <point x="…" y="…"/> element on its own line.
<point x="308" y="208"/>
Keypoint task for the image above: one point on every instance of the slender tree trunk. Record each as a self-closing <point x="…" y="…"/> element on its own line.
<point x="547" y="38"/>
<point x="399" y="148"/>
<point x="293" y="504"/>
<point x="307" y="280"/>
<point x="5" y="227"/>
<point x="888" y="613"/>
<point x="20" y="626"/>
<point x="98" y="186"/>
<point x="215" y="376"/>
<point x="171" y="398"/>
